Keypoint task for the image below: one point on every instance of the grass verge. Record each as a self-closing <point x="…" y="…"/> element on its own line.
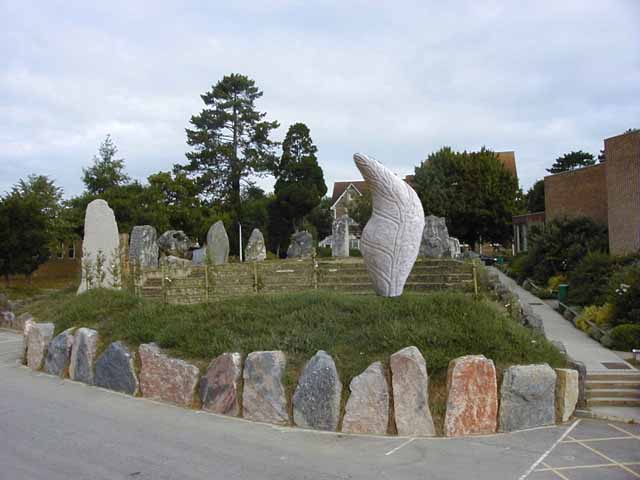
<point x="355" y="329"/>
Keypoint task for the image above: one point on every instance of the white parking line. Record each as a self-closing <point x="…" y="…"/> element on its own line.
<point x="546" y="454"/>
<point x="391" y="452"/>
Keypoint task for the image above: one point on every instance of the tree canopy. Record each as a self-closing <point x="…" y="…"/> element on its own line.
<point x="26" y="226"/>
<point x="230" y="139"/>
<point x="535" y="197"/>
<point x="571" y="161"/>
<point x="106" y="171"/>
<point x="472" y="190"/>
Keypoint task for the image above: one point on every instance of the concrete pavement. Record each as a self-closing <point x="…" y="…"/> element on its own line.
<point x="579" y="345"/>
<point x="58" y="429"/>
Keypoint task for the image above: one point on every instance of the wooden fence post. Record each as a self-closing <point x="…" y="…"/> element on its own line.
<point x="255" y="277"/>
<point x="206" y="283"/>
<point x="164" y="291"/>
<point x="475" y="280"/>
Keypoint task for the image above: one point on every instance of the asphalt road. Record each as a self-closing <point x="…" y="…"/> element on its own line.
<point x="57" y="429"/>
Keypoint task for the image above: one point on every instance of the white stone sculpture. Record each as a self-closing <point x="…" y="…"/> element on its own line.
<point x="100" y="248"/>
<point x="391" y="238"/>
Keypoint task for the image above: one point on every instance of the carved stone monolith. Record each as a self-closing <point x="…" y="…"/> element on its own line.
<point x="391" y="238"/>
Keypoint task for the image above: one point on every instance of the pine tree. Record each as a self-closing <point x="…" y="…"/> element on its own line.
<point x="106" y="171"/>
<point x="230" y="140"/>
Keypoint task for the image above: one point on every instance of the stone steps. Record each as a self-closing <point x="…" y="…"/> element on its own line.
<point x="613" y="389"/>
<point x="613" y="402"/>
<point x="613" y="392"/>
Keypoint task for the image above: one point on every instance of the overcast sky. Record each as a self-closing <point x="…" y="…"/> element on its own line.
<point x="396" y="80"/>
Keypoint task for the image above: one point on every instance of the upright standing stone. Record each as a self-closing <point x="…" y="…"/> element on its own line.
<point x="367" y="410"/>
<point x="567" y="392"/>
<point x="166" y="379"/>
<point x="37" y="343"/>
<point x="59" y="353"/>
<point x="391" y="238"/>
<point x="143" y="247"/>
<point x="410" y="384"/>
<point x="218" y="244"/>
<point x="435" y="238"/>
<point x="256" y="250"/>
<point x="316" y="401"/>
<point x="199" y="256"/>
<point x="175" y="243"/>
<point x="83" y="355"/>
<point x="340" y="237"/>
<point x="100" y="248"/>
<point x="472" y="396"/>
<point x="28" y="325"/>
<point x="115" y="370"/>
<point x="454" y="247"/>
<point x="219" y="388"/>
<point x="263" y="397"/>
<point x="527" y="397"/>
<point x="301" y="245"/>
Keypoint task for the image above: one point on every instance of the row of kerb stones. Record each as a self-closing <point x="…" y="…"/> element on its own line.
<point x="531" y="395"/>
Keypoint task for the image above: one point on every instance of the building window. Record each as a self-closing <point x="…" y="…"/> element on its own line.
<point x="71" y="252"/>
<point x="60" y="252"/>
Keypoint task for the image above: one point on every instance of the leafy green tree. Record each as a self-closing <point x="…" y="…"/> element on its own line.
<point x="535" y="197"/>
<point x="26" y="231"/>
<point x="106" y="171"/>
<point x="472" y="190"/>
<point x="571" y="161"/>
<point x="230" y="140"/>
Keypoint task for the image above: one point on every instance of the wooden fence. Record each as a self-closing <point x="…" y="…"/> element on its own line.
<point x="200" y="284"/>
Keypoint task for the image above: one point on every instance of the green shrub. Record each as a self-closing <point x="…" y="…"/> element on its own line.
<point x="554" y="282"/>
<point x="516" y="267"/>
<point x="598" y="315"/>
<point x="625" y="337"/>
<point x="561" y="245"/>
<point x="354" y="252"/>
<point x="323" y="252"/>
<point x="589" y="281"/>
<point x="624" y="294"/>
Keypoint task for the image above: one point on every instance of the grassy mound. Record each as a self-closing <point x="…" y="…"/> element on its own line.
<point x="355" y="330"/>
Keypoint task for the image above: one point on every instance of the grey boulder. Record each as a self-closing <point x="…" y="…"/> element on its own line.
<point x="367" y="410"/>
<point x="263" y="397"/>
<point x="176" y="243"/>
<point x="115" y="370"/>
<point x="83" y="353"/>
<point x="301" y="245"/>
<point x="58" y="353"/>
<point x="410" y="384"/>
<point x="316" y="401"/>
<point x="38" y="339"/>
<point x="220" y="386"/>
<point x="527" y="397"/>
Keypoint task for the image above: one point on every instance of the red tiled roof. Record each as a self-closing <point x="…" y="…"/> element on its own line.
<point x="340" y="187"/>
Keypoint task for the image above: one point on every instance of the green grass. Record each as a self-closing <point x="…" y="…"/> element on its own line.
<point x="355" y="330"/>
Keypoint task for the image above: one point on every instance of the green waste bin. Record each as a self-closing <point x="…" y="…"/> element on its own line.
<point x="501" y="260"/>
<point x="563" y="292"/>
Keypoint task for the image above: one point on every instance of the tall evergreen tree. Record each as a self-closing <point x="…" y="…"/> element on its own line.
<point x="230" y="140"/>
<point x="535" y="197"/>
<point x="106" y="171"/>
<point x="571" y="161"/>
<point x="300" y="182"/>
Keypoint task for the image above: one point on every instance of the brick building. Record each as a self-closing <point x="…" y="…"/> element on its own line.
<point x="608" y="193"/>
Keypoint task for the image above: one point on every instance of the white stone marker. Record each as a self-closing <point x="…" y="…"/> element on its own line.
<point x="100" y="246"/>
